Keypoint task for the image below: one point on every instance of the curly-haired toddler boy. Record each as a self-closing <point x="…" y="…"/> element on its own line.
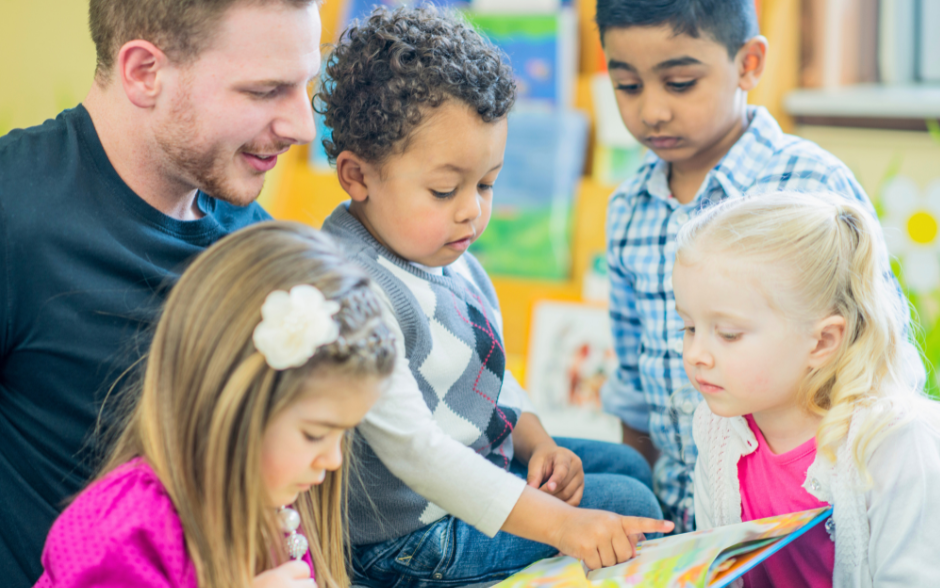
<point x="468" y="486"/>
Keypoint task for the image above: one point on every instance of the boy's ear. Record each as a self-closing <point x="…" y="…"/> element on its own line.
<point x="750" y="61"/>
<point x="828" y="334"/>
<point x="351" y="171"/>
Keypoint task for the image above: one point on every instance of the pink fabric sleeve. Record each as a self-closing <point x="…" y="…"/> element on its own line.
<point x="121" y="531"/>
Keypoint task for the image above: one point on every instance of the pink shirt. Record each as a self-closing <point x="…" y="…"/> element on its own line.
<point x="121" y="531"/>
<point x="772" y="485"/>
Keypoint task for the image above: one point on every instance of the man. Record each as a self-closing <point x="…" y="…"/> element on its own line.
<point x="102" y="207"/>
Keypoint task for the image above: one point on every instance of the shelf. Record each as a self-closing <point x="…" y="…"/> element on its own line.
<point x="871" y="105"/>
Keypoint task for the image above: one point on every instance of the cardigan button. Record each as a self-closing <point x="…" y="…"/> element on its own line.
<point x="815" y="485"/>
<point x="831" y="529"/>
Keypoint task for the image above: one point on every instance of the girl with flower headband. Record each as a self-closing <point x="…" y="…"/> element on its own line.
<point x="793" y="335"/>
<point x="228" y="473"/>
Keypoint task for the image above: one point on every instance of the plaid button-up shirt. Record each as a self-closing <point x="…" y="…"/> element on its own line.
<point x="650" y="391"/>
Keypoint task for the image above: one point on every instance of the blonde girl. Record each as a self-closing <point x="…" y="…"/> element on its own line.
<point x="795" y="338"/>
<point x="270" y="348"/>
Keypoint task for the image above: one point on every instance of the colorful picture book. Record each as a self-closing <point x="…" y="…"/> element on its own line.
<point x="704" y="559"/>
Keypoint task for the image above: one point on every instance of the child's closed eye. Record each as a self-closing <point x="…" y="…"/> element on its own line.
<point x="443" y="195"/>
<point x="629" y="88"/>
<point x="680" y="86"/>
<point x="314" y="438"/>
<point x="730" y="336"/>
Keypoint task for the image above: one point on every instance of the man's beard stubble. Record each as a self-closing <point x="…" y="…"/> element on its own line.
<point x="203" y="166"/>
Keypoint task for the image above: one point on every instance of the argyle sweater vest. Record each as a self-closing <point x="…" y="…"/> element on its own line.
<point x="455" y="352"/>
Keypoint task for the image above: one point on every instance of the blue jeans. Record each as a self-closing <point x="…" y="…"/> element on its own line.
<point x="450" y="553"/>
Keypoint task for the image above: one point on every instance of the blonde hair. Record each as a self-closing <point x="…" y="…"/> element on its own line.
<point x="207" y="396"/>
<point x="832" y="262"/>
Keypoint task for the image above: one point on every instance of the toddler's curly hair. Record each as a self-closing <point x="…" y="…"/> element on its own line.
<point x="384" y="75"/>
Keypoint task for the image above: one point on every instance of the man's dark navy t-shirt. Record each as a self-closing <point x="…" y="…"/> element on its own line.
<point x="84" y="266"/>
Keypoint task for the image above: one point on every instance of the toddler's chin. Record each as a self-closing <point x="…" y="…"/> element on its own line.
<point x="718" y="409"/>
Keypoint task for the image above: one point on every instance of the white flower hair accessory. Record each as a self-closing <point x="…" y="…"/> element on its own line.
<point x="294" y="325"/>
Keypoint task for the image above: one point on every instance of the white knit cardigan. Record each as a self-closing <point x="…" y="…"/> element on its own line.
<point x="885" y="535"/>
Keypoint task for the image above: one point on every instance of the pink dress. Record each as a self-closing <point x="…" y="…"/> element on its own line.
<point x="121" y="531"/>
<point x="772" y="484"/>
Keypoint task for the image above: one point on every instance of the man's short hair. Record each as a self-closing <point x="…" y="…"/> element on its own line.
<point x="180" y="28"/>
<point x="729" y="22"/>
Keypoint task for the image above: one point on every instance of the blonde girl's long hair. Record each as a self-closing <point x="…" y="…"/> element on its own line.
<point x="827" y="253"/>
<point x="207" y="396"/>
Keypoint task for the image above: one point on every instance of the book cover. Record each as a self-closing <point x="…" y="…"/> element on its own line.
<point x="703" y="559"/>
<point x="928" y="62"/>
<point x="542" y="48"/>
<point x="897" y="35"/>
<point x="529" y="234"/>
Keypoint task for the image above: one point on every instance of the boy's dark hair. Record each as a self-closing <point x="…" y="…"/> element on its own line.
<point x="385" y="73"/>
<point x="729" y="22"/>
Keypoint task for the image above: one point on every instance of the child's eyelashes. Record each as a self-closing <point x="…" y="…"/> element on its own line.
<point x="629" y="88"/>
<point x="443" y="195"/>
<point x="680" y="86"/>
<point x="677" y="87"/>
<point x="485" y="187"/>
<point x="726" y="336"/>
<point x="314" y="438"/>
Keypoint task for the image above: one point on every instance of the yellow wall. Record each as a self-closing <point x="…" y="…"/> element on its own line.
<point x="48" y="59"/>
<point x="48" y="62"/>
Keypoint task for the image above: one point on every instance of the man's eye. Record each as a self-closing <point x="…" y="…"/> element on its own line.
<point x="263" y="93"/>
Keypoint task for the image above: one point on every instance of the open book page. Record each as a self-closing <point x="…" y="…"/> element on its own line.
<point x="712" y="558"/>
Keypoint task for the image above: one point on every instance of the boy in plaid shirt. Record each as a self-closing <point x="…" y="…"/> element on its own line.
<point x="681" y="71"/>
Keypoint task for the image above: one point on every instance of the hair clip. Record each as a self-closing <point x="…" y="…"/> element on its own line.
<point x="294" y="325"/>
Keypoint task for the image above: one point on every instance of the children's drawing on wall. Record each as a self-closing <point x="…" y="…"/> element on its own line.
<point x="571" y="355"/>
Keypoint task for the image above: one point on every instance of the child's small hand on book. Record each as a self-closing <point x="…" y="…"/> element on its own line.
<point x="602" y="539"/>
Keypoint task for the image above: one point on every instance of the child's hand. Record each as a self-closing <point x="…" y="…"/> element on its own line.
<point x="557" y="471"/>
<point x="293" y="574"/>
<point x="603" y="539"/>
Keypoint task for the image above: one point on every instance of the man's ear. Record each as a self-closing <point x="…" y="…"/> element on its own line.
<point x="352" y="171"/>
<point x="138" y="66"/>
<point x="750" y="61"/>
<point x="828" y="334"/>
